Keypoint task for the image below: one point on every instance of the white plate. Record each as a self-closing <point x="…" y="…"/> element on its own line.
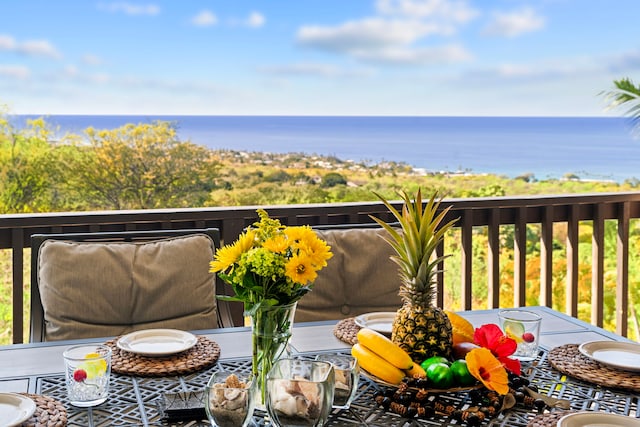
<point x="157" y="342"/>
<point x="620" y="355"/>
<point x="380" y="321"/>
<point x="597" y="419"/>
<point x="15" y="409"/>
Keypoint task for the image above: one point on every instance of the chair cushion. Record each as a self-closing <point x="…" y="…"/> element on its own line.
<point x="91" y="289"/>
<point x="359" y="278"/>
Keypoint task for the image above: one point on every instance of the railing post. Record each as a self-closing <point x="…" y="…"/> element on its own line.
<point x="622" y="285"/>
<point x="493" y="267"/>
<point x="17" y="253"/>
<point x="597" y="266"/>
<point x="572" y="262"/>
<point x="546" y="257"/>
<point x="520" y="259"/>
<point x="467" y="259"/>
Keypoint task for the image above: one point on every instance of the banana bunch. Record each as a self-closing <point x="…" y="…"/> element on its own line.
<point x="384" y="359"/>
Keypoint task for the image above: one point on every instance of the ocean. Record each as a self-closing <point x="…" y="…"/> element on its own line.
<point x="598" y="148"/>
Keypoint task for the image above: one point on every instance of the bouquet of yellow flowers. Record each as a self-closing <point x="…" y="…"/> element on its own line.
<point x="271" y="264"/>
<point x="270" y="267"/>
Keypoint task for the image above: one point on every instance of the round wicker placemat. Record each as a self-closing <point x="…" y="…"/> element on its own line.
<point x="346" y="330"/>
<point x="549" y="419"/>
<point x="568" y="360"/>
<point x="202" y="355"/>
<point x="49" y="412"/>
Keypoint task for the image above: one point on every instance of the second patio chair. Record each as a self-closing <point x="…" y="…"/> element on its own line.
<point x="359" y="278"/>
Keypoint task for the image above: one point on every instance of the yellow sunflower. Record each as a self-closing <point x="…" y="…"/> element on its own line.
<point x="302" y="233"/>
<point x="300" y="270"/>
<point x="229" y="254"/>
<point x="484" y="366"/>
<point x="278" y="244"/>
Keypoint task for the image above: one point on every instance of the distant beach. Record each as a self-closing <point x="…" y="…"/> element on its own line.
<point x="591" y="148"/>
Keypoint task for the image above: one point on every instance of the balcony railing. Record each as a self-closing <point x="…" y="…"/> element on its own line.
<point x="486" y="215"/>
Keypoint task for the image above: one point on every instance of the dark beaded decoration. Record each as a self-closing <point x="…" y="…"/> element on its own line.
<point x="409" y="402"/>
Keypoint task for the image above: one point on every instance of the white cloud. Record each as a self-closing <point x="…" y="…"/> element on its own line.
<point x="415" y="56"/>
<point x="255" y="20"/>
<point x="512" y="24"/>
<point x="15" y="71"/>
<point x="38" y="48"/>
<point x="368" y="33"/>
<point x="29" y="47"/>
<point x="205" y="18"/>
<point x="314" y="69"/>
<point x="7" y="42"/>
<point x="443" y="10"/>
<point x="130" y="8"/>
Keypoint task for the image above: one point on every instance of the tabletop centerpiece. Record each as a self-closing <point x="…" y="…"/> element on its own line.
<point x="270" y="267"/>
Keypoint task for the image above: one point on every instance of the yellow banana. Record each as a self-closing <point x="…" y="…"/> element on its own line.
<point x="416" y="371"/>
<point x="376" y="365"/>
<point x="385" y="348"/>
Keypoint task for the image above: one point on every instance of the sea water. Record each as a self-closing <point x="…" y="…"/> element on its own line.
<point x="599" y="148"/>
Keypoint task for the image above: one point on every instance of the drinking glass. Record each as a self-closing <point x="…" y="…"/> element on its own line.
<point x="524" y="327"/>
<point x="347" y="374"/>
<point x="300" y="392"/>
<point x="229" y="399"/>
<point x="87" y="373"/>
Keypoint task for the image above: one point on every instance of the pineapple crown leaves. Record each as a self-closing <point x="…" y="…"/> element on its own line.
<point x="421" y="234"/>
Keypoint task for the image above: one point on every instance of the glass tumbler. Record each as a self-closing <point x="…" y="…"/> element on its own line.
<point x="524" y="327"/>
<point x="300" y="392"/>
<point x="229" y="399"/>
<point x="87" y="373"/>
<point x="347" y="374"/>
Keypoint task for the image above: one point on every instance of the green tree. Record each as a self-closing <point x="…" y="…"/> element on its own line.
<point x="31" y="173"/>
<point x="144" y="166"/>
<point x="332" y="179"/>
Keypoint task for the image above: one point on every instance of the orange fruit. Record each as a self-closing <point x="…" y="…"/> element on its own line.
<point x="462" y="329"/>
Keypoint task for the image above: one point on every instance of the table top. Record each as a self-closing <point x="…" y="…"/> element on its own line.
<point x="38" y="369"/>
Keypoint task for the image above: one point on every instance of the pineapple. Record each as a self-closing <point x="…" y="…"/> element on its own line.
<point x="420" y="328"/>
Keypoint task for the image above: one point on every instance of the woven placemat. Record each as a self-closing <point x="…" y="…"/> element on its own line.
<point x="549" y="419"/>
<point x="202" y="355"/>
<point x="49" y="412"/>
<point x="568" y="360"/>
<point x="346" y="330"/>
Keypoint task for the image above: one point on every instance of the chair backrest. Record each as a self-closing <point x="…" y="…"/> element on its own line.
<point x="359" y="278"/>
<point x="109" y="283"/>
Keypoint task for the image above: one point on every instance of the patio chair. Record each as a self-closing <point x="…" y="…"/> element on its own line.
<point x="88" y="285"/>
<point x="359" y="278"/>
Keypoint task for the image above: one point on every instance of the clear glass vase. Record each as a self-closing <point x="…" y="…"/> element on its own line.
<point x="271" y="329"/>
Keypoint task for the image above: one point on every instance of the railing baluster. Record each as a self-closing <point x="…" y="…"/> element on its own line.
<point x="520" y="259"/>
<point x="572" y="262"/>
<point x="493" y="267"/>
<point x="622" y="285"/>
<point x="467" y="259"/>
<point x="597" y="266"/>
<point x="17" y="245"/>
<point x="546" y="257"/>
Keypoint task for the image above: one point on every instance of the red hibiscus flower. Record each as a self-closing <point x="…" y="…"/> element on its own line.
<point x="492" y="338"/>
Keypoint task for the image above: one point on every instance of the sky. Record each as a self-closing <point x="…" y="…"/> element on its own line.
<point x="316" y="57"/>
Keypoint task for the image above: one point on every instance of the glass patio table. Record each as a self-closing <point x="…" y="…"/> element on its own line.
<point x="37" y="369"/>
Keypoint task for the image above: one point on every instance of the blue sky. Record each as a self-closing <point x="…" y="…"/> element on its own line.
<point x="316" y="57"/>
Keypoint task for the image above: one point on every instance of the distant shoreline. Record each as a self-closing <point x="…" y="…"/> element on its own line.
<point x="590" y="147"/>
